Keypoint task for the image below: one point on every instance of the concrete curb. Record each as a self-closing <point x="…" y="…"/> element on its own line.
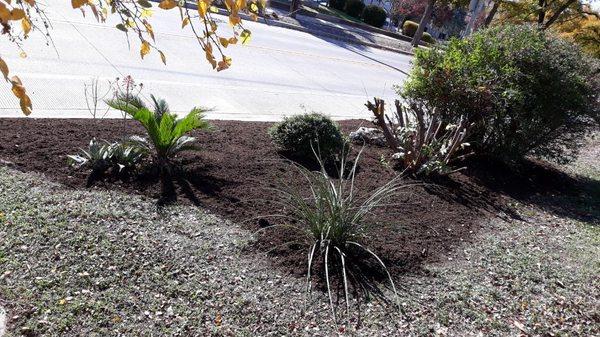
<point x="336" y="37"/>
<point x="287" y="25"/>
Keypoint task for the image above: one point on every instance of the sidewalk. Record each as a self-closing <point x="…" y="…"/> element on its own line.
<point x="328" y="30"/>
<point x="339" y="31"/>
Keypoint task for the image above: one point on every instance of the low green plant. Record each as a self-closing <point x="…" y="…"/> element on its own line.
<point x="166" y="133"/>
<point x="354" y="8"/>
<point x="102" y="155"/>
<point x="409" y="28"/>
<point x="427" y="38"/>
<point x="331" y="217"/>
<point x="374" y="15"/>
<point x="298" y="135"/>
<point x="337" y="4"/>
<point x="97" y="156"/>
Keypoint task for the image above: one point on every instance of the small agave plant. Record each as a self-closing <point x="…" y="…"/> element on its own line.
<point x="166" y="133"/>
<point x="102" y="156"/>
<point x="332" y="218"/>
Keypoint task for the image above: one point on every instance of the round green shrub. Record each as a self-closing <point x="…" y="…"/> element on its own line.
<point x="526" y="91"/>
<point x="427" y="38"/>
<point x="374" y="15"/>
<point x="409" y="28"/>
<point x="299" y="135"/>
<point x="354" y="8"/>
<point x="337" y="4"/>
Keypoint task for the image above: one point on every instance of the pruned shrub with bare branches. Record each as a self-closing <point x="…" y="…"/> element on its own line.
<point x="422" y="141"/>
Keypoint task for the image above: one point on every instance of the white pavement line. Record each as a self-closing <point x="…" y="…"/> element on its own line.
<point x="211" y="86"/>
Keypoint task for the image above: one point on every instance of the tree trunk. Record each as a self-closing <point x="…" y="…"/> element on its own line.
<point x="541" y="12"/>
<point x="491" y="14"/>
<point x="424" y="22"/>
<point x="557" y="14"/>
<point x="294" y="5"/>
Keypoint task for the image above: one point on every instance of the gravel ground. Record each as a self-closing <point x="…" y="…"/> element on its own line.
<point x="86" y="263"/>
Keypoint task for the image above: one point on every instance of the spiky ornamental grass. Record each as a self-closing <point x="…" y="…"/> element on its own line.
<point x="332" y="218"/>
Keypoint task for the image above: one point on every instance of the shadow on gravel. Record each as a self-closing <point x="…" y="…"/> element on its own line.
<point x="539" y="183"/>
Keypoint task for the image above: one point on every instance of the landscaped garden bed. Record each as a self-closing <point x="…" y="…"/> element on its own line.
<point x="447" y="242"/>
<point x="238" y="164"/>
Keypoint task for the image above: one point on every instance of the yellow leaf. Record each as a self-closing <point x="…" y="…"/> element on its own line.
<point x="17" y="14"/>
<point x="224" y="64"/>
<point x="254" y="8"/>
<point x="4" y="69"/>
<point x="224" y="42"/>
<point x="245" y="36"/>
<point x="185" y="22"/>
<point x="241" y="4"/>
<point x="4" y="13"/>
<point x="23" y="54"/>
<point x="145" y="49"/>
<point x="26" y="105"/>
<point x="167" y="4"/>
<point x="162" y="57"/>
<point x="26" y="25"/>
<point x="149" y="29"/>
<point x="78" y="3"/>
<point x="146" y="13"/>
<point x="202" y="8"/>
<point x="19" y="91"/>
<point x="213" y="9"/>
<point x="234" y="20"/>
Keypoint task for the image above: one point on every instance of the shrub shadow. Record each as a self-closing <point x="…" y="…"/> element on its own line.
<point x="541" y="184"/>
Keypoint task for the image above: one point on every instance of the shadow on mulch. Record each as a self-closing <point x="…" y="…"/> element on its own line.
<point x="231" y="177"/>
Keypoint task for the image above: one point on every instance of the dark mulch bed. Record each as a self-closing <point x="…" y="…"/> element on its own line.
<point x="238" y="163"/>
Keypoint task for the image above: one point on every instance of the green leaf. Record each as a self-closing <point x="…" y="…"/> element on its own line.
<point x="121" y="27"/>
<point x="144" y="3"/>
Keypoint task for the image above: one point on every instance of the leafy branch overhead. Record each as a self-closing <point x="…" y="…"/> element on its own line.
<point x="20" y="17"/>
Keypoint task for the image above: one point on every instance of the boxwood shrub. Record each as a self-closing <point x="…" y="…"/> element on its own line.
<point x="354" y="8"/>
<point x="298" y="135"/>
<point x="427" y="38"/>
<point x="337" y="4"/>
<point x="527" y="91"/>
<point x="374" y="15"/>
<point x="409" y="28"/>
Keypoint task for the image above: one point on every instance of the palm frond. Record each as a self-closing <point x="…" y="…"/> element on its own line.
<point x="193" y="120"/>
<point x="160" y="107"/>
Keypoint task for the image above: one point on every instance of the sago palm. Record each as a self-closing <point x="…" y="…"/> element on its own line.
<point x="166" y="133"/>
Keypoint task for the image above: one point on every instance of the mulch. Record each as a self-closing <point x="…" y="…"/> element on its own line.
<point x="231" y="177"/>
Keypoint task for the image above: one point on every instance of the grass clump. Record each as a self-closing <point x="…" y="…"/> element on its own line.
<point x="332" y="219"/>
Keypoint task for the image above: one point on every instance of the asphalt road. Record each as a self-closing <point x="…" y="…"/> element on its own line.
<point x="280" y="72"/>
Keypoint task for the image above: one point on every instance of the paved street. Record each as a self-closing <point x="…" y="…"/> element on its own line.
<point x="281" y="71"/>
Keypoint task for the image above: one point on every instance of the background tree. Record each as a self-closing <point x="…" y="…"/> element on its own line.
<point x="21" y="17"/>
<point x="585" y="31"/>
<point x="544" y="13"/>
<point x="429" y="11"/>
